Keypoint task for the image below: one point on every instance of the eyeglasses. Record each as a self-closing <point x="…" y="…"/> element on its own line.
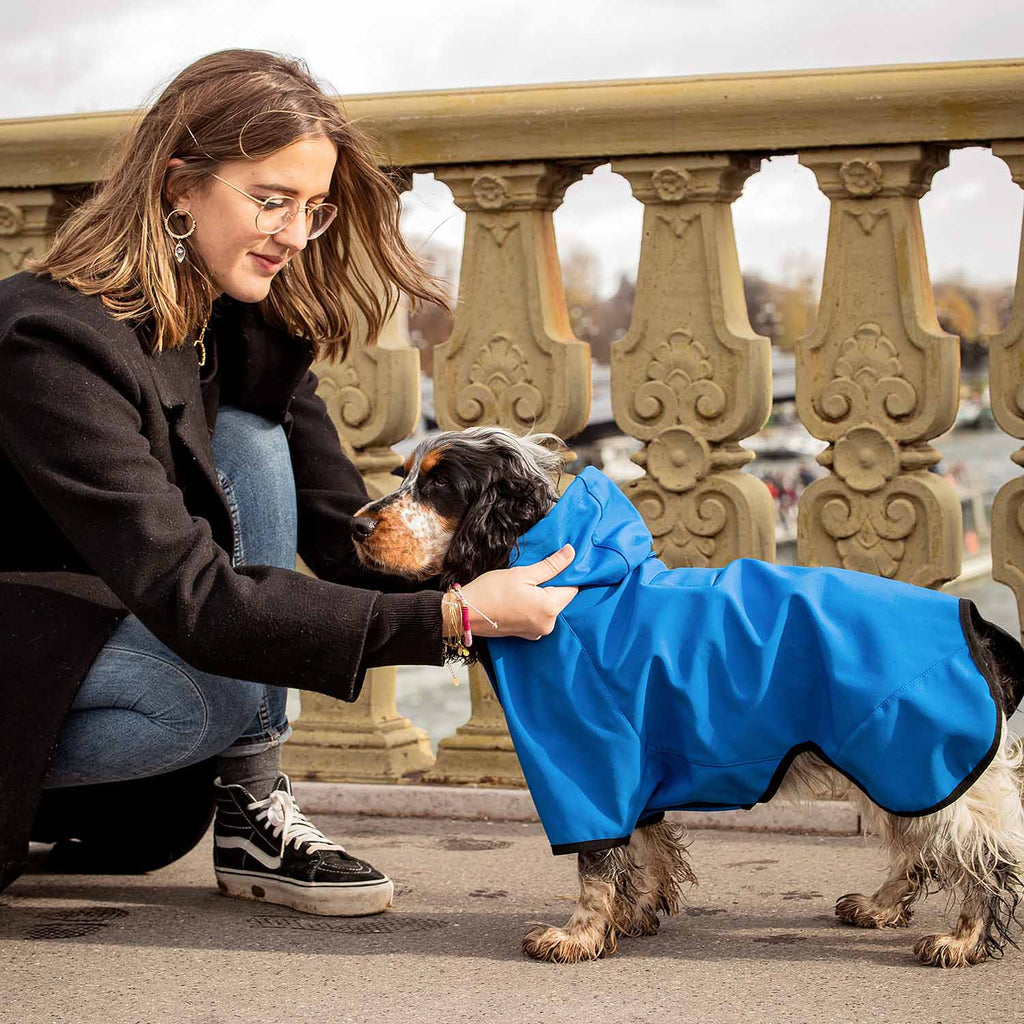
<point x="277" y="212"/>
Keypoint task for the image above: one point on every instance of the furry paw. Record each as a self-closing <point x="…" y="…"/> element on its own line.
<point x="947" y="951"/>
<point x="556" y="945"/>
<point x="856" y="909"/>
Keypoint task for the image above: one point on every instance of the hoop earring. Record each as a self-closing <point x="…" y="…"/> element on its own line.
<point x="179" y="249"/>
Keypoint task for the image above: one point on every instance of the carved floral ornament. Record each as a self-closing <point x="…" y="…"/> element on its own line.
<point x="868" y="217"/>
<point x="16" y="257"/>
<point x="865" y="459"/>
<point x="490" y="191"/>
<point x="870" y="538"/>
<point x="12" y="219"/>
<point x="867" y="375"/>
<point x="861" y="178"/>
<point x="354" y="403"/>
<point x="499" y="231"/>
<point x="679" y="222"/>
<point x="867" y="357"/>
<point x="685" y="528"/>
<point x="679" y="378"/>
<point x="672" y="184"/>
<point x="500" y="365"/>
<point x="677" y="459"/>
<point x="500" y="382"/>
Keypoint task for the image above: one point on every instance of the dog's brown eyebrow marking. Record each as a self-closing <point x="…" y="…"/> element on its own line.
<point x="431" y="459"/>
<point x="407" y="465"/>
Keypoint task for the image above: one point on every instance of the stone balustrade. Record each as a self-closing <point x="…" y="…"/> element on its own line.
<point x="877" y="378"/>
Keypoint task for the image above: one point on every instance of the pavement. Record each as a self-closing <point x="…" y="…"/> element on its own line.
<point x="757" y="942"/>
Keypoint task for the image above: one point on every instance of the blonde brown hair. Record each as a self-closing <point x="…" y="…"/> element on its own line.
<point x="236" y="105"/>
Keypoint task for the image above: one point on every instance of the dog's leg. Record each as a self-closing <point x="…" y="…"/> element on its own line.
<point x="891" y="905"/>
<point x="660" y="868"/>
<point x="974" y="849"/>
<point x="977" y="850"/>
<point x="590" y="932"/>
<point x="983" y="929"/>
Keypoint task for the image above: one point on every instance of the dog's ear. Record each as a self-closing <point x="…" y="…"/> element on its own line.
<point x="481" y="541"/>
<point x="487" y="534"/>
<point x="399" y="471"/>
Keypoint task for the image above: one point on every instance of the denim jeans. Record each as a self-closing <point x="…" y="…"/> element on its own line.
<point x="141" y="709"/>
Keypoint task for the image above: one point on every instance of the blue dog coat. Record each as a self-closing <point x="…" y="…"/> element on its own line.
<point x="694" y="688"/>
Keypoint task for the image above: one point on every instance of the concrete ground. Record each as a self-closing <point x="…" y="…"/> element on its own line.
<point x="757" y="942"/>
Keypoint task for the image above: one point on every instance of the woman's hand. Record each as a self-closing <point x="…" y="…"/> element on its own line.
<point x="514" y="599"/>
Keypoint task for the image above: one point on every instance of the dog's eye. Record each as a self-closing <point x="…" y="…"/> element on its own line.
<point x="436" y="481"/>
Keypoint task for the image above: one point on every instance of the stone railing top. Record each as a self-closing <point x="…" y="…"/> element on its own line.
<point x="955" y="103"/>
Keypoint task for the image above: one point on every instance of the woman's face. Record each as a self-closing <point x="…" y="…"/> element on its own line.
<point x="242" y="261"/>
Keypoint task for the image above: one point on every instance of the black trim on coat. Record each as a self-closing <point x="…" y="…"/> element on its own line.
<point x="590" y="846"/>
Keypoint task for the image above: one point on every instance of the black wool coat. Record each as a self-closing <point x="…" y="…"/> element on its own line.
<point x="110" y="504"/>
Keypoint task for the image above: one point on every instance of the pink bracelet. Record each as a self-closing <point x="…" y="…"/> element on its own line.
<point x="467" y="633"/>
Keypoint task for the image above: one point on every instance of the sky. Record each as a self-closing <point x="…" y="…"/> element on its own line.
<point x="108" y="55"/>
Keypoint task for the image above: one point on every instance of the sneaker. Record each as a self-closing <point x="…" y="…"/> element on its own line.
<point x="266" y="850"/>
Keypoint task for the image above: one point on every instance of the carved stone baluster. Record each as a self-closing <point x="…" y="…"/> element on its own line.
<point x="28" y="219"/>
<point x="373" y="398"/>
<point x="691" y="378"/>
<point x="1006" y="388"/>
<point x="877" y="378"/>
<point x="511" y="360"/>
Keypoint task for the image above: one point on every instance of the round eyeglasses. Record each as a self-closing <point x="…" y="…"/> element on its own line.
<point x="277" y="212"/>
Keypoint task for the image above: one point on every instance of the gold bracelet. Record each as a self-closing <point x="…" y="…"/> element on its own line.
<point x="454" y="649"/>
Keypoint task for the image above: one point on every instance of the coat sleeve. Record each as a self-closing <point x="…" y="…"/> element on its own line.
<point x="71" y="423"/>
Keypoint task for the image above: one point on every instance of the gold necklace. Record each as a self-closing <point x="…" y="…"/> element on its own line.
<point x="198" y="343"/>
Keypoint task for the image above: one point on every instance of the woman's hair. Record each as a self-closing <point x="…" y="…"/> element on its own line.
<point x="237" y="105"/>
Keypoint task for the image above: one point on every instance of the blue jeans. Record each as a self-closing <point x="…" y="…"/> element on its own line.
<point x="141" y="709"/>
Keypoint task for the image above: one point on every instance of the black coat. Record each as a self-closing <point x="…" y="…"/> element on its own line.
<point x="110" y="503"/>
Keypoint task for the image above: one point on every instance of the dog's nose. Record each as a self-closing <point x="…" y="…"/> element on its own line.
<point x="362" y="527"/>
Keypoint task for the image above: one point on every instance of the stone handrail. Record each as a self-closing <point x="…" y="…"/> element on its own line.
<point x="965" y="102"/>
<point x="877" y="378"/>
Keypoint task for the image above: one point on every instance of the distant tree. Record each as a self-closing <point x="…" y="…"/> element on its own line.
<point x="972" y="313"/>
<point x="430" y="325"/>
<point x="762" y="305"/>
<point x="581" y="279"/>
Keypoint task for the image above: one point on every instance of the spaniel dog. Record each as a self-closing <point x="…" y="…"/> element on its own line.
<point x="466" y="500"/>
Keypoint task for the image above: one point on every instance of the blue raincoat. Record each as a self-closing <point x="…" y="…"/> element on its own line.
<point x="695" y="688"/>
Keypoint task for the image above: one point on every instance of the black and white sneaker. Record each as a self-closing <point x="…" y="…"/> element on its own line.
<point x="266" y="850"/>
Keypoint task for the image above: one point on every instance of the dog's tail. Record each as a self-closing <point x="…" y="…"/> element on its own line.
<point x="1002" y="653"/>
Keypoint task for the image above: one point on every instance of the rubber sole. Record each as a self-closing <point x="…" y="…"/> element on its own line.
<point x="324" y="898"/>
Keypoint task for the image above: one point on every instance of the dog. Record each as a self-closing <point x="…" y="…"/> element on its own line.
<point x="468" y="503"/>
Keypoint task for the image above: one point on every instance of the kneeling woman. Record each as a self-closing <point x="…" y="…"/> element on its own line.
<point x="164" y="457"/>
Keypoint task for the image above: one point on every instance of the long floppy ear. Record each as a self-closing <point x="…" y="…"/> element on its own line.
<point x="487" y="534"/>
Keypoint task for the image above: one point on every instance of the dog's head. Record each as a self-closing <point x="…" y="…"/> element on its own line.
<point x="465" y="498"/>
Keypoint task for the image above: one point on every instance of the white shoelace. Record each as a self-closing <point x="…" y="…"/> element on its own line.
<point x="282" y="812"/>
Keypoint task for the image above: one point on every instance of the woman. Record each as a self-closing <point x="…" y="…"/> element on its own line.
<point x="163" y="456"/>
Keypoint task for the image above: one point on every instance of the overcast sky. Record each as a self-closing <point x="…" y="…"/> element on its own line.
<point x="64" y="56"/>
